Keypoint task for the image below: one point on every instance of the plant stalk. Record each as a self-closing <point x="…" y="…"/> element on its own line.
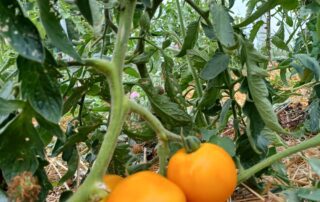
<point x="93" y="187"/>
<point x="247" y="173"/>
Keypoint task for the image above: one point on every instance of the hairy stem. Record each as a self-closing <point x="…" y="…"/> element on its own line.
<point x="123" y="34"/>
<point x="93" y="188"/>
<point x="163" y="152"/>
<point x="246" y="174"/>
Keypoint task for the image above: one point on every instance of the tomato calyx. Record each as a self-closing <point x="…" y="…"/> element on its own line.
<point x="191" y="144"/>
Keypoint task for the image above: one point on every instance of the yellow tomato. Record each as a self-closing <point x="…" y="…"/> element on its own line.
<point x="146" y="186"/>
<point x="205" y="175"/>
<point x="111" y="181"/>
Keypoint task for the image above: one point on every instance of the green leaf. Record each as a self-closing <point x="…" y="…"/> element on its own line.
<point x="19" y="31"/>
<point x="210" y="98"/>
<point x="318" y="26"/>
<point x="171" y="84"/>
<point x="143" y="57"/>
<point x="41" y="91"/>
<point x="208" y="31"/>
<point x="255" y="29"/>
<point x="279" y="43"/>
<point x="120" y="158"/>
<point x="138" y="167"/>
<point x="8" y="106"/>
<point x="243" y="149"/>
<point x="190" y="38"/>
<point x="217" y="64"/>
<point x="283" y="76"/>
<point x="259" y="91"/>
<point x="315" y="165"/>
<point x="144" y="21"/>
<point x="168" y="111"/>
<point x="49" y="127"/>
<point x="314" y="114"/>
<point x="316" y="89"/>
<point x="310" y="63"/>
<point x="223" y="118"/>
<point x="231" y="3"/>
<point x="222" y="25"/>
<point x="207" y="134"/>
<point x="265" y="7"/>
<point x="166" y="44"/>
<point x="44" y="182"/>
<point x="280" y="32"/>
<point x="289" y="4"/>
<point x="72" y="166"/>
<point x="65" y="196"/>
<point x="226" y="143"/>
<point x="20" y="145"/>
<point x="291" y="195"/>
<point x="81" y="136"/>
<point x="139" y="130"/>
<point x="131" y="71"/>
<point x="53" y="29"/>
<point x="289" y="20"/>
<point x="85" y="9"/>
<point x="73" y="99"/>
<point x="311" y="194"/>
<point x="255" y="126"/>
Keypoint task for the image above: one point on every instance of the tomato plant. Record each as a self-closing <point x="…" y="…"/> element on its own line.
<point x="119" y="86"/>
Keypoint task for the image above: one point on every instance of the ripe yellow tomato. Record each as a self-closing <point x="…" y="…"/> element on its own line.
<point x="146" y="186"/>
<point x="205" y="175"/>
<point x="111" y="181"/>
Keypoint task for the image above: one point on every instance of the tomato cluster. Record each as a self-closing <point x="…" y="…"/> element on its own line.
<point x="205" y="175"/>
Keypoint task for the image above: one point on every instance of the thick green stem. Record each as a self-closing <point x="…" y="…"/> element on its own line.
<point x="92" y="184"/>
<point x="191" y="68"/>
<point x="163" y="152"/>
<point x="93" y="188"/>
<point x="246" y="174"/>
<point x="123" y="34"/>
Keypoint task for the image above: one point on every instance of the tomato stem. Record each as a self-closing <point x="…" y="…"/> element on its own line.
<point x="163" y="152"/>
<point x="93" y="185"/>
<point x="246" y="174"/>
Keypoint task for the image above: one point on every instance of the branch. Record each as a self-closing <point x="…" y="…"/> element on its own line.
<point x="123" y="34"/>
<point x="246" y="174"/>
<point x="93" y="188"/>
<point x="102" y="66"/>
